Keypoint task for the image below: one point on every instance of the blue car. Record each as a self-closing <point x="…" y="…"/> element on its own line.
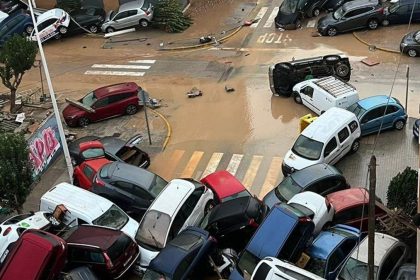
<point x="283" y="234"/>
<point x="16" y="23"/>
<point x="181" y="255"/>
<point x="370" y="112"/>
<point x="330" y="249"/>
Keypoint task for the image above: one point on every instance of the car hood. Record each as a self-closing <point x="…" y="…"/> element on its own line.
<point x="297" y="162"/>
<point x="71" y="110"/>
<point x="409" y="39"/>
<point x="326" y="20"/>
<point x="271" y="198"/>
<point x="286" y="19"/>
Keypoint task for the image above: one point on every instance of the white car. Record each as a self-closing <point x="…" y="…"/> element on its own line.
<point x="274" y="269"/>
<point x="182" y="203"/>
<point x="12" y="228"/>
<point x="52" y="23"/>
<point x="315" y="207"/>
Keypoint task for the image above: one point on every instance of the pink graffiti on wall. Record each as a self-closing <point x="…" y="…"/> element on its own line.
<point x="43" y="148"/>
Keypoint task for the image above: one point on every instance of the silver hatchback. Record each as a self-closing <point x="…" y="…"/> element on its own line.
<point x="129" y="15"/>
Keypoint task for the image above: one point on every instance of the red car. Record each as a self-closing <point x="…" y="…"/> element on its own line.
<point x="93" y="155"/>
<point x="224" y="186"/>
<point x="352" y="207"/>
<point x="36" y="255"/>
<point x="103" y="103"/>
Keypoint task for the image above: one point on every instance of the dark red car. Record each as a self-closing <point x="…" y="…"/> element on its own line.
<point x="108" y="252"/>
<point x="352" y="207"/>
<point x="103" y="103"/>
<point x="36" y="255"/>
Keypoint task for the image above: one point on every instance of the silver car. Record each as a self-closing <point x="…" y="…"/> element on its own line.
<point x="129" y="15"/>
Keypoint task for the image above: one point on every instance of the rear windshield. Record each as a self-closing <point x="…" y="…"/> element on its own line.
<point x="89" y="99"/>
<point x="119" y="247"/>
<point x="357" y="110"/>
<point x="113" y="218"/>
<point x="187" y="241"/>
<point x="93" y="153"/>
<point x="247" y="264"/>
<point x="307" y="148"/>
<point x="316" y="266"/>
<point x="338" y="13"/>
<point x="306" y="211"/>
<point x="243" y="193"/>
<point x="287" y="188"/>
<point x="154" y="229"/>
<point x="104" y="173"/>
<point x="157" y="186"/>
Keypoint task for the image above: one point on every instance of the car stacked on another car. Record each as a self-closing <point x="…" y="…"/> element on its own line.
<point x="19" y="22"/>
<point x="53" y="23"/>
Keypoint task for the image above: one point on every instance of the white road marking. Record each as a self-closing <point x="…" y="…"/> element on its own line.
<point x="234" y="164"/>
<point x="212" y="165"/>
<point x="192" y="164"/>
<point x="147" y="61"/>
<point x="252" y="171"/>
<point x="114" y="73"/>
<point x="272" y="176"/>
<point x="259" y="16"/>
<point x="270" y="20"/>
<point x="119" y="66"/>
<point x="311" y="23"/>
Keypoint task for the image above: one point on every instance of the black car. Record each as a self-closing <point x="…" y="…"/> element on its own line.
<point x="130" y="187"/>
<point x="80" y="273"/>
<point x="237" y="217"/>
<point x="291" y="12"/>
<point x="320" y="178"/>
<point x="400" y="12"/>
<point x="332" y="5"/>
<point x="410" y="44"/>
<point x="283" y="76"/>
<point x="90" y="11"/>
<point x="416" y="126"/>
<point x="81" y="22"/>
<point x="10" y="6"/>
<point x="116" y="149"/>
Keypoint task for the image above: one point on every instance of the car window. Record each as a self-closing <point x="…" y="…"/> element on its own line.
<point x="121" y="15"/>
<point x="330" y="147"/>
<point x="85" y="255"/>
<point x="390" y="262"/>
<point x="114" y="217"/>
<point x="46" y="23"/>
<point x="183" y="266"/>
<point x="330" y="183"/>
<point x="353" y="126"/>
<point x="292" y="246"/>
<point x="335" y="259"/>
<point x="118" y="97"/>
<point x="349" y="214"/>
<point x="352" y="13"/>
<point x="119" y="247"/>
<point x="81" y="222"/>
<point x="404" y="9"/>
<point x="262" y="272"/>
<point x="125" y="186"/>
<point x="391" y="109"/>
<point x="88" y="171"/>
<point x="101" y="103"/>
<point x="132" y="12"/>
<point x="343" y="134"/>
<point x="138" y="191"/>
<point x="309" y="91"/>
<point x="373" y="114"/>
<point x="296" y="275"/>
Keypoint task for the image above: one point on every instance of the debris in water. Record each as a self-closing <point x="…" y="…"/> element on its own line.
<point x="194" y="92"/>
<point x="229" y="89"/>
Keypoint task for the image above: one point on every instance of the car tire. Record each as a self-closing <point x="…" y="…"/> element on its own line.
<point x="131" y="109"/>
<point x="298" y="24"/>
<point x="29" y="29"/>
<point x="110" y="29"/>
<point x="385" y="22"/>
<point x="93" y="29"/>
<point x="57" y="36"/>
<point x="83" y="122"/>
<point x="373" y="24"/>
<point x="331" y="59"/>
<point x="354" y="146"/>
<point x="331" y="31"/>
<point x="315" y="12"/>
<point x="342" y="70"/>
<point x="297" y="98"/>
<point x="62" y="30"/>
<point x="412" y="53"/>
<point x="399" y="125"/>
<point x="144" y="23"/>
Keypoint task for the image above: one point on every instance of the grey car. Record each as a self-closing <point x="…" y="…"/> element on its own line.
<point x="352" y="15"/>
<point x="128" y="15"/>
<point x="410" y="44"/>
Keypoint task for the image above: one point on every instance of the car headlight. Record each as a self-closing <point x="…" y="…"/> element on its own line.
<point x="404" y="44"/>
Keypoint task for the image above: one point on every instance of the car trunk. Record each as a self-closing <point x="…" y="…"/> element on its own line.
<point x="122" y="254"/>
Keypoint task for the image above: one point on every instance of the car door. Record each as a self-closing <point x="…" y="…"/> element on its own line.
<point x="392" y="260"/>
<point x="132" y="18"/>
<point x="355" y="19"/>
<point x="330" y="185"/>
<point x="338" y="257"/>
<point x="102" y="110"/>
<point x="307" y="94"/>
<point x="371" y="120"/>
<point x="344" y="140"/>
<point x="391" y="113"/>
<point x="119" y="102"/>
<point x="332" y="151"/>
<point x="120" y="20"/>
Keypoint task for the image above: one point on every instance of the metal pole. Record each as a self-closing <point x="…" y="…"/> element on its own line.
<point x="371" y="221"/>
<point x="406" y="89"/>
<point x="44" y="97"/>
<point x="145" y="114"/>
<point x="53" y="100"/>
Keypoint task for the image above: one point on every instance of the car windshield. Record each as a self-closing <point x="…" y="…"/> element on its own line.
<point x="316" y="266"/>
<point x="157" y="186"/>
<point x="394" y="7"/>
<point x="356" y="270"/>
<point x="357" y="110"/>
<point x="114" y="217"/>
<point x="307" y="148"/>
<point x="89" y="99"/>
<point x="292" y="273"/>
<point x="306" y="211"/>
<point x="93" y="153"/>
<point x="247" y="264"/>
<point x="289" y="7"/>
<point x="287" y="189"/>
<point x="119" y="247"/>
<point x="244" y="193"/>
<point x="154" y="275"/>
<point x="112" y="15"/>
<point x="153" y="229"/>
<point x="338" y="13"/>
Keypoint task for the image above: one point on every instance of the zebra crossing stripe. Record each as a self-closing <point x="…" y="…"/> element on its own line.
<point x="234" y="164"/>
<point x="270" y="20"/>
<point x="114" y="73"/>
<point x="272" y="176"/>
<point x="173" y="162"/>
<point x="117" y="66"/>
<point x="192" y="164"/>
<point x="259" y="16"/>
<point x="212" y="165"/>
<point x="252" y="171"/>
<point x="145" y="61"/>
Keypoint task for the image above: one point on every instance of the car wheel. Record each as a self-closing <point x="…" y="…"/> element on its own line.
<point x="83" y="122"/>
<point x="398" y="125"/>
<point x="57" y="36"/>
<point x="355" y="146"/>
<point x="131" y="109"/>
<point x="342" y="70"/>
<point x="29" y="29"/>
<point x="297" y="98"/>
<point x="412" y="53"/>
<point x="298" y="24"/>
<point x="93" y="29"/>
<point x="331" y="59"/>
<point x="385" y="22"/>
<point x="331" y="31"/>
<point x="110" y="29"/>
<point x="373" y="24"/>
<point x="315" y="12"/>
<point x="62" y="30"/>
<point x="144" y="23"/>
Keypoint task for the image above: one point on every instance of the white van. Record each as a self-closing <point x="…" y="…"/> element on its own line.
<point x="84" y="207"/>
<point x="331" y="136"/>
<point x="319" y="95"/>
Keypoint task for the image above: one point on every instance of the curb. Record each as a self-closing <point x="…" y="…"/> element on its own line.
<point x="376" y="47"/>
<point x="168" y="126"/>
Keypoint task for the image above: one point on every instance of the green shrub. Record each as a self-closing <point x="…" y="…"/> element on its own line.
<point x="402" y="192"/>
<point x="168" y="16"/>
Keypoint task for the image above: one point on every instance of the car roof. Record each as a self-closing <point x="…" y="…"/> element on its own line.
<point x="329" y="122"/>
<point x="373" y="101"/>
<point x="233" y="209"/>
<point x="325" y="243"/>
<point x="101" y="237"/>
<point x="115" y="89"/>
<point x="172" y="196"/>
<point x="223" y="184"/>
<point x="310" y="200"/>
<point x="96" y="164"/>
<point x="359" y="3"/>
<point x="309" y="174"/>
<point x="112" y="144"/>
<point x="127" y="172"/>
<point x="348" y="198"/>
<point x="131" y="5"/>
<point x="276" y="228"/>
<point x="53" y="13"/>
<point x="74" y="147"/>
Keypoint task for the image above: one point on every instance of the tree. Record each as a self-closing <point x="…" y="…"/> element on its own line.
<point x="15" y="170"/>
<point x="16" y="57"/>
<point x="168" y="15"/>
<point x="402" y="192"/>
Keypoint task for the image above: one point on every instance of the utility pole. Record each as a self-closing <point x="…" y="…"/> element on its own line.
<point x="371" y="221"/>
<point x="407" y="76"/>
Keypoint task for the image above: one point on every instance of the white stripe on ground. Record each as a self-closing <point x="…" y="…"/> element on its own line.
<point x="271" y="179"/>
<point x="114" y="73"/>
<point x="252" y="171"/>
<point x="192" y="164"/>
<point x="212" y="165"/>
<point x="147" y="61"/>
<point x="234" y="164"/>
<point x="259" y="16"/>
<point x="270" y="20"/>
<point x="117" y="66"/>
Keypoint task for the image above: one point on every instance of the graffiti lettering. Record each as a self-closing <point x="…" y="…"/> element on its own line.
<point x="43" y="148"/>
